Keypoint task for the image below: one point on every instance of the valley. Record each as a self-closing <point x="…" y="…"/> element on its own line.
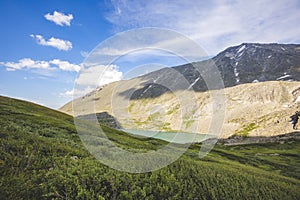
<point x="150" y="100"/>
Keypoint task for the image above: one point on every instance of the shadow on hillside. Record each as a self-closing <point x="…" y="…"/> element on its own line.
<point x="184" y="77"/>
<point x="103" y="118"/>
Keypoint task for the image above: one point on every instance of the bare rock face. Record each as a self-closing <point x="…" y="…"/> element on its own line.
<point x="262" y="88"/>
<point x="246" y="63"/>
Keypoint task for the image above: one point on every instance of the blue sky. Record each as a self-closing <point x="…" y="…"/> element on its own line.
<point x="44" y="43"/>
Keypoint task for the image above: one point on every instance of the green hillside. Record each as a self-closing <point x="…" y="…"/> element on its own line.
<point x="42" y="157"/>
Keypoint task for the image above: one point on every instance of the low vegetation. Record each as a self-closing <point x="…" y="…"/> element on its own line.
<point x="42" y="157"/>
<point x="246" y="129"/>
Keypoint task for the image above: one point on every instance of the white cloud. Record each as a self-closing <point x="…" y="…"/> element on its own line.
<point x="28" y="63"/>
<point x="99" y="75"/>
<point x="214" y="24"/>
<point x="84" y="54"/>
<point x="59" y="18"/>
<point x="113" y="51"/>
<point x="67" y="93"/>
<point x="75" y="93"/>
<point x="148" y="45"/>
<point x="53" y="42"/>
<point x="65" y="65"/>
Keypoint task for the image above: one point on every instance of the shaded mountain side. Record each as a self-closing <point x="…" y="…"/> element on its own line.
<point x="254" y="109"/>
<point x="246" y="63"/>
<point x="255" y="62"/>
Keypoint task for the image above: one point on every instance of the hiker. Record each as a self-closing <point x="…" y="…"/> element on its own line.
<point x="294" y="119"/>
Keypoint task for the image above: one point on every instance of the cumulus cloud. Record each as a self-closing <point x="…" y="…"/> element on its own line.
<point x="214" y="24"/>
<point x="28" y="63"/>
<point x="99" y="75"/>
<point x="67" y="93"/>
<point x="53" y="42"/>
<point x="59" y="18"/>
<point x="65" y="65"/>
<point x="92" y="77"/>
<point x="76" y="92"/>
<point x="25" y="63"/>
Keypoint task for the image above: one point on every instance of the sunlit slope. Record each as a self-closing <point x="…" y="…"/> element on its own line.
<point x="254" y="109"/>
<point x="41" y="157"/>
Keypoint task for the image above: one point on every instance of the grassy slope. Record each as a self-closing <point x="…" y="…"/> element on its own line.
<point x="38" y="145"/>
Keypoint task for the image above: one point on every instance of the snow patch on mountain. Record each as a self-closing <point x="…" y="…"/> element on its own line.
<point x="194" y="83"/>
<point x="283" y="77"/>
<point x="241" y="49"/>
<point x="229" y="55"/>
<point x="150" y="86"/>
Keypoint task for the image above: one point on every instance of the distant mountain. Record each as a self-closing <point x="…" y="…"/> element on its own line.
<point x="246" y="63"/>
<point x="261" y="85"/>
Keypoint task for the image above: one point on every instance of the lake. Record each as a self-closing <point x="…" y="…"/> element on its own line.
<point x="175" y="137"/>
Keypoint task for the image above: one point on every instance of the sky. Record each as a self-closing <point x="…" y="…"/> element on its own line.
<point x="45" y="44"/>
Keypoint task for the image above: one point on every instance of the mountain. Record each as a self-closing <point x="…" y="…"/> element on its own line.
<point x="256" y="109"/>
<point x="261" y="85"/>
<point x="42" y="157"/>
<point x="246" y="63"/>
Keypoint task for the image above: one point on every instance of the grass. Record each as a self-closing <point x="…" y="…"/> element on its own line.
<point x="42" y="157"/>
<point x="188" y="123"/>
<point x="246" y="129"/>
<point x="130" y="107"/>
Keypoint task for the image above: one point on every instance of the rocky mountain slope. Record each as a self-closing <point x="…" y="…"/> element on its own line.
<point x="246" y="63"/>
<point x="261" y="86"/>
<point x="256" y="109"/>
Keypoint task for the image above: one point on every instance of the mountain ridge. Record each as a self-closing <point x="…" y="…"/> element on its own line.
<point x="245" y="63"/>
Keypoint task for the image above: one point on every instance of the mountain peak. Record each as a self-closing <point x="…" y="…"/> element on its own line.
<point x="255" y="62"/>
<point x="275" y="47"/>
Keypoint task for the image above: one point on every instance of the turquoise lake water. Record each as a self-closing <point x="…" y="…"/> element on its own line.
<point x="175" y="137"/>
